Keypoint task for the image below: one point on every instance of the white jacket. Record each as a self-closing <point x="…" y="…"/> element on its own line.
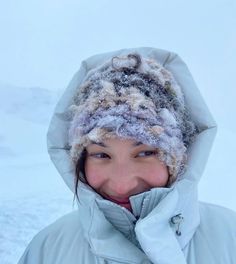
<point x="172" y="228"/>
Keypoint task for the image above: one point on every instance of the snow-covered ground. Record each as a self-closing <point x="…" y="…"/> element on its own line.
<point x="22" y="218"/>
<point x="32" y="194"/>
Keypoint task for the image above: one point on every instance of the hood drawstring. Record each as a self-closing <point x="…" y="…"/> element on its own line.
<point x="177" y="220"/>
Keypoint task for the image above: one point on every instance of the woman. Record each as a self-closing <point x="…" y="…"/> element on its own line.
<point x="131" y="137"/>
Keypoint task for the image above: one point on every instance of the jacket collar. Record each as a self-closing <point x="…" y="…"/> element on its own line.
<point x="122" y="219"/>
<point x="102" y="235"/>
<point x="103" y="230"/>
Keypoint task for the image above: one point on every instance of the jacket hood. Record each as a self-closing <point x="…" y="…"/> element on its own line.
<point x="171" y="216"/>
<point x="198" y="152"/>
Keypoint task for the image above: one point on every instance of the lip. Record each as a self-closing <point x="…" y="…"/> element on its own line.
<point x="119" y="200"/>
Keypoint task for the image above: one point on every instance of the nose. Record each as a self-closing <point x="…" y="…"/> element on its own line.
<point x="124" y="180"/>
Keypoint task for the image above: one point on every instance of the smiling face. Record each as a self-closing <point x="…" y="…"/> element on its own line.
<point x="118" y="169"/>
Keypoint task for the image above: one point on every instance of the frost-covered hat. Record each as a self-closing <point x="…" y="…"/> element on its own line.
<point x="133" y="97"/>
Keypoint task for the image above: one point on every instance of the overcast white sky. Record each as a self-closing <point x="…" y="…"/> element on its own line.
<point x="43" y="41"/>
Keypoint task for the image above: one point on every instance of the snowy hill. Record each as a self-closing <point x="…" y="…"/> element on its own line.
<point x="25" y="114"/>
<point x="33" y="104"/>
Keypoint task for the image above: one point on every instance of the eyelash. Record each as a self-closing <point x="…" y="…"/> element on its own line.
<point x="153" y="152"/>
<point x="95" y="155"/>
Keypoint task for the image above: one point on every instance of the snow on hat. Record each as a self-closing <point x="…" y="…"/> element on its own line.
<point x="132" y="97"/>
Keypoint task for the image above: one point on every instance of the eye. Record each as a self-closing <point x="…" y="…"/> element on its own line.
<point x="99" y="155"/>
<point x="147" y="153"/>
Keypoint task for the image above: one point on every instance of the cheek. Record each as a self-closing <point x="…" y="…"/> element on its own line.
<point x="156" y="175"/>
<point x="94" y="175"/>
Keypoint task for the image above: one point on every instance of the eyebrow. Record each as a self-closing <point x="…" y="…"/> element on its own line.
<point x="99" y="144"/>
<point x="135" y="144"/>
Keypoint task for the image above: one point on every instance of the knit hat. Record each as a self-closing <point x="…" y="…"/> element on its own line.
<point x="132" y="97"/>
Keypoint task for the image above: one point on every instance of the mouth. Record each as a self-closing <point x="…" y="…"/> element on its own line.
<point x="118" y="200"/>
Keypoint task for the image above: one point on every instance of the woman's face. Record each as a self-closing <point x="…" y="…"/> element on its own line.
<point x="118" y="169"/>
